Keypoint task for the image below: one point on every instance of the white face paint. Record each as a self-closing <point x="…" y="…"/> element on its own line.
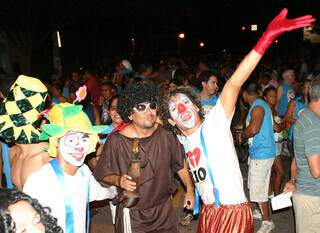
<point x="183" y="111"/>
<point x="74" y="147"/>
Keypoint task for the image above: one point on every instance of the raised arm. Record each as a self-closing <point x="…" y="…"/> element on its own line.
<point x="276" y="27"/>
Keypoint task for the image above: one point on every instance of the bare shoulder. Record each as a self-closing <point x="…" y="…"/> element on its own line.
<point x="14" y="151"/>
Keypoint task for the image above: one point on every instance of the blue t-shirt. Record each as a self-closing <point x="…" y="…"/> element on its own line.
<point x="55" y="100"/>
<point x="262" y="145"/>
<point x="65" y="92"/>
<point x="208" y="104"/>
<point x="287" y="95"/>
<point x="300" y="105"/>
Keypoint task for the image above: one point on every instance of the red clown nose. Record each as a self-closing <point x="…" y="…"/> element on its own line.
<point x="181" y="108"/>
<point x="79" y="149"/>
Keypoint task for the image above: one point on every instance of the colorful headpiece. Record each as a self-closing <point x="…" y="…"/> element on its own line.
<point x="19" y="112"/>
<point x="67" y="117"/>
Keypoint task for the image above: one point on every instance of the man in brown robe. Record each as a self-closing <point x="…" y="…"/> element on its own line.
<point x="161" y="155"/>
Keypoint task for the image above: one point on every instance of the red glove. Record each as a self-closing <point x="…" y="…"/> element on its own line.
<point x="278" y="26"/>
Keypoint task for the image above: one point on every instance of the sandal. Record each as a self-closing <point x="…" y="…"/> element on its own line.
<point x="186" y="220"/>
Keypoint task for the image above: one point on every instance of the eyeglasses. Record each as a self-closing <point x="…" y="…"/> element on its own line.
<point x="141" y="108"/>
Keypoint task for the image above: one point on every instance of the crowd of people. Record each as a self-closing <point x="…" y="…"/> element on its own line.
<point x="127" y="138"/>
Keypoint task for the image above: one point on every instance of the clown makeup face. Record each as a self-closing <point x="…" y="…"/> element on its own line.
<point x="74" y="147"/>
<point x="183" y="111"/>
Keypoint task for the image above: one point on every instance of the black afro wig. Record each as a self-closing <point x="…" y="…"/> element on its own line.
<point x="136" y="93"/>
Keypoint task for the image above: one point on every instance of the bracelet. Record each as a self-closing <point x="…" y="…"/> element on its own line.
<point x="293" y="180"/>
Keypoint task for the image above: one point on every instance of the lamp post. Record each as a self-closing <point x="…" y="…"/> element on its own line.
<point x="132" y="46"/>
<point x="57" y="64"/>
<point x="180" y="39"/>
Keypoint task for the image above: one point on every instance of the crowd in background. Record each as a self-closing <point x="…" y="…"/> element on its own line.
<point x="206" y="77"/>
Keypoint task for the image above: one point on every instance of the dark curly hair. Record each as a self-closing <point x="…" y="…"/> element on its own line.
<point x="164" y="107"/>
<point x="136" y="93"/>
<point x="204" y="76"/>
<point x="109" y="121"/>
<point x="11" y="196"/>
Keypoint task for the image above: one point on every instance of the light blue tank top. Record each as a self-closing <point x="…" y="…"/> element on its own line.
<point x="300" y="105"/>
<point x="287" y="95"/>
<point x="212" y="101"/>
<point x="262" y="145"/>
<point x="208" y="104"/>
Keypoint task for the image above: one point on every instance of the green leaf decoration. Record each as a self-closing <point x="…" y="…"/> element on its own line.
<point x="52" y="129"/>
<point x="71" y="110"/>
<point x="43" y="136"/>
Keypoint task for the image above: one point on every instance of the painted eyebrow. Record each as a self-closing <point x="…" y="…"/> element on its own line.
<point x="86" y="135"/>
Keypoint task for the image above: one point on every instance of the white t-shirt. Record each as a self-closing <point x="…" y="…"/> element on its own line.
<point x="222" y="156"/>
<point x="44" y="186"/>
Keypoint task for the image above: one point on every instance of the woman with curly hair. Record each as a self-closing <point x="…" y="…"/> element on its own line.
<point x="21" y="213"/>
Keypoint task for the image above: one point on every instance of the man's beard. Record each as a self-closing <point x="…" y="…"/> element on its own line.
<point x="149" y="125"/>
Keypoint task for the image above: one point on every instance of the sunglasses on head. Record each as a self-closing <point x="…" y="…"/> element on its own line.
<point x="143" y="107"/>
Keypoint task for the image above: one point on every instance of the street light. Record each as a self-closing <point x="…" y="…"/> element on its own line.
<point x="133" y="46"/>
<point x="58" y="39"/>
<point x="201" y="44"/>
<point x="181" y="36"/>
<point x="254" y="27"/>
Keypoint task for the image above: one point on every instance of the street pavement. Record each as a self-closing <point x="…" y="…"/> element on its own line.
<point x="101" y="221"/>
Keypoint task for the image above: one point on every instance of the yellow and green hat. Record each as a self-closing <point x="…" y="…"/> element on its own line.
<point x="19" y="112"/>
<point x="67" y="117"/>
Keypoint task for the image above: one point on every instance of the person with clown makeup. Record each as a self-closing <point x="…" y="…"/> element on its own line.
<point x="141" y="160"/>
<point x="66" y="184"/>
<point x="209" y="146"/>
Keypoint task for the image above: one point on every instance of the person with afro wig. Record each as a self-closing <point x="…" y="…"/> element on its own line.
<point x="160" y="157"/>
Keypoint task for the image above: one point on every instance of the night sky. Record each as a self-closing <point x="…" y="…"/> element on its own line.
<point x="93" y="30"/>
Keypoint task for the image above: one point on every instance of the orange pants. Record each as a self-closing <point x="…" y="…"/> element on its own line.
<point x="225" y="219"/>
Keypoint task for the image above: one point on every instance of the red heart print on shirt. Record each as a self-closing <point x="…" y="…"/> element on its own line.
<point x="194" y="157"/>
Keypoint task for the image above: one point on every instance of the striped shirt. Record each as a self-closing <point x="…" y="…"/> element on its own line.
<point x="306" y="143"/>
